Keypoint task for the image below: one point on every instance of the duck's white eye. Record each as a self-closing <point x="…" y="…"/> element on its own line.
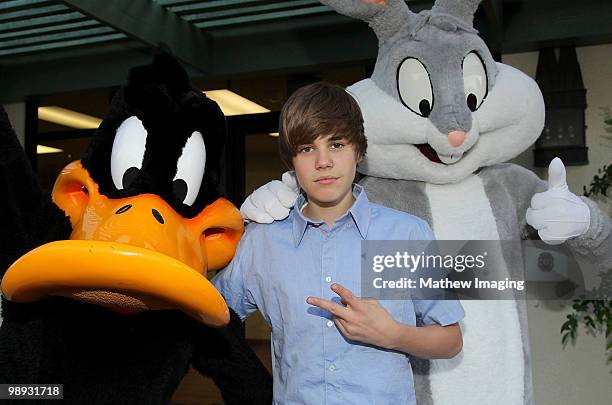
<point x="190" y="169"/>
<point x="128" y="152"/>
<point x="414" y="87"/>
<point x="474" y="80"/>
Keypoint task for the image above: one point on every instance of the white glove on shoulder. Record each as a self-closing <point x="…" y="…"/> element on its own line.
<point x="558" y="214"/>
<point x="272" y="201"/>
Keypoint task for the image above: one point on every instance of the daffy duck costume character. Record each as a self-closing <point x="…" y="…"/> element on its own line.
<point x="139" y="223"/>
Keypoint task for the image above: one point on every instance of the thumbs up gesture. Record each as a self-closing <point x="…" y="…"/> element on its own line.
<point x="557" y="213"/>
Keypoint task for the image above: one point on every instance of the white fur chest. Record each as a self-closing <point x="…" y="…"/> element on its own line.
<point x="490" y="369"/>
<point x="461" y="211"/>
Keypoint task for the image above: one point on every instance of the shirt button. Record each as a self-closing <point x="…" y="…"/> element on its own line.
<point x="330" y="323"/>
<point x="328" y="279"/>
<point x="332" y="368"/>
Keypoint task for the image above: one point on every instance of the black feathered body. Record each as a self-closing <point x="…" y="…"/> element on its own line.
<point x="106" y="358"/>
<point x="103" y="357"/>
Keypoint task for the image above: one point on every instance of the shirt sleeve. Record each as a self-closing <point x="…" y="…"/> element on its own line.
<point x="231" y="282"/>
<point x="441" y="312"/>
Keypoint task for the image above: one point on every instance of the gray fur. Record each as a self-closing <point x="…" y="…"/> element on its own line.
<point x="400" y="195"/>
<point x="462" y="10"/>
<point x="595" y="246"/>
<point x="510" y="182"/>
<point x="510" y="188"/>
<point x="422" y="388"/>
<point x="452" y="43"/>
<point x="450" y="111"/>
<point x="509" y="120"/>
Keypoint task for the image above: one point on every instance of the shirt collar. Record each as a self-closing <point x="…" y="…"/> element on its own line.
<point x="359" y="212"/>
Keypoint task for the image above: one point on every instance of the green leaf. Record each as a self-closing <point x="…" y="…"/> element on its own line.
<point x="564" y="339"/>
<point x="588" y="321"/>
<point x="565" y="326"/>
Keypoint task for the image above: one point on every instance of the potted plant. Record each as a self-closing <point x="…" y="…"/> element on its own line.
<point x="596" y="314"/>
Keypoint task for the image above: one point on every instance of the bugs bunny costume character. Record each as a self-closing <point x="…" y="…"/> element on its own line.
<point x="441" y="117"/>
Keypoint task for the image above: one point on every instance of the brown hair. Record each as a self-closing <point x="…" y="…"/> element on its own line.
<point x="319" y="109"/>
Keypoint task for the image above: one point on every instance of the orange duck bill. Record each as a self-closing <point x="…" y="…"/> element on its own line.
<point x="130" y="255"/>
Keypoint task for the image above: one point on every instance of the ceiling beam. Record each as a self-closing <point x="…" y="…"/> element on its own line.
<point x="300" y="44"/>
<point x="274" y="15"/>
<point x="4" y="36"/>
<point x="29" y="23"/>
<point x="15" y="4"/>
<point x="252" y="10"/>
<point x="77" y="70"/>
<point x="290" y="46"/>
<point x="152" y="24"/>
<point x="51" y="38"/>
<point x="62" y="43"/>
<point x="32" y="12"/>
<point x="205" y="5"/>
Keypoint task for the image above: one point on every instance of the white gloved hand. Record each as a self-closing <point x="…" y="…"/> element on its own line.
<point x="558" y="214"/>
<point x="272" y="201"/>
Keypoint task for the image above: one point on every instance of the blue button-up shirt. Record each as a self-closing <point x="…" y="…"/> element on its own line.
<point x="277" y="266"/>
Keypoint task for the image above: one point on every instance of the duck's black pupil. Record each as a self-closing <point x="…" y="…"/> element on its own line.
<point x="179" y="187"/>
<point x="472" y="102"/>
<point x="129" y="176"/>
<point x="425" y="108"/>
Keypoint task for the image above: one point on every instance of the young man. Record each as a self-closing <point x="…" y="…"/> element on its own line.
<point x="329" y="352"/>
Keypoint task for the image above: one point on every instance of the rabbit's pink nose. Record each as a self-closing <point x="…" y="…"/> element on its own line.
<point x="456" y="138"/>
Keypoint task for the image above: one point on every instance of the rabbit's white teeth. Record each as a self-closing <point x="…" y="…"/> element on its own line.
<point x="450" y="159"/>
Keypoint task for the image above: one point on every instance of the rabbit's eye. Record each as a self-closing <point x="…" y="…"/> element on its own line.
<point x="414" y="87"/>
<point x="474" y="80"/>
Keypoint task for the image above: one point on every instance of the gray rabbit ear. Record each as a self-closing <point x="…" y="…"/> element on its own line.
<point x="385" y="17"/>
<point x="464" y="10"/>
